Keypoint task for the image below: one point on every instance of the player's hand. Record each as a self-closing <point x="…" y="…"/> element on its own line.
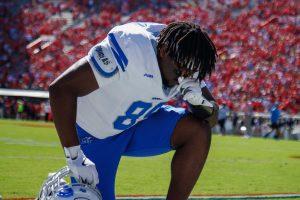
<point x="191" y="92"/>
<point x="213" y="119"/>
<point x="83" y="169"/>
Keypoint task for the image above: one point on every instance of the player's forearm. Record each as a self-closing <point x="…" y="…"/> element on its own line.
<point x="63" y="104"/>
<point x="206" y="93"/>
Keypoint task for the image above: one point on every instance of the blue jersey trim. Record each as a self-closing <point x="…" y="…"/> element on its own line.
<point x="118" y="52"/>
<point x="101" y="71"/>
<point x="118" y="59"/>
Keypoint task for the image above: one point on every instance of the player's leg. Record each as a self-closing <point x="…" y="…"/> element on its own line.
<point x="106" y="154"/>
<point x="191" y="139"/>
<point x="168" y="128"/>
<point x="152" y="136"/>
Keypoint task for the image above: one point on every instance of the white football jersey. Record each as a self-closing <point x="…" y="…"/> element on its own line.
<point x="130" y="84"/>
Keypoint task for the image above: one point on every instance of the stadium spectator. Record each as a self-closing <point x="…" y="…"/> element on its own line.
<point x="20" y="109"/>
<point x="222" y="117"/>
<point x="248" y="119"/>
<point x="46" y="109"/>
<point x="290" y="126"/>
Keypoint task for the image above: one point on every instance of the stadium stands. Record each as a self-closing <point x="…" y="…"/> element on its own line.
<point x="256" y="41"/>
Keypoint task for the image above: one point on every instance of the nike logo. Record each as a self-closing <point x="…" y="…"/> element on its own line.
<point x="83" y="162"/>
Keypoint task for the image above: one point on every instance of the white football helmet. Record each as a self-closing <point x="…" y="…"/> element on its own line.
<point x="56" y="188"/>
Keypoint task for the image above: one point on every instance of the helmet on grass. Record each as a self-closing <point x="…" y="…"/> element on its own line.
<point x="56" y="188"/>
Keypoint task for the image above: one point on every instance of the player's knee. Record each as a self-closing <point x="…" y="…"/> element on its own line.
<point x="191" y="131"/>
<point x="202" y="132"/>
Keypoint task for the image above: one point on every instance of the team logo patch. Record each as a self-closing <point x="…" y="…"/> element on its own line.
<point x="104" y="59"/>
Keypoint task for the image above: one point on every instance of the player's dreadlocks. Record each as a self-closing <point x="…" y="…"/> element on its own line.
<point x="189" y="46"/>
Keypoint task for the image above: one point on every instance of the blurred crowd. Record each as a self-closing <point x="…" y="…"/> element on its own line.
<point x="256" y="40"/>
<point x="274" y="125"/>
<point x="25" y="108"/>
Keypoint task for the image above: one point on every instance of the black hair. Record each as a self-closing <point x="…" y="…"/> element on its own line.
<point x="190" y="47"/>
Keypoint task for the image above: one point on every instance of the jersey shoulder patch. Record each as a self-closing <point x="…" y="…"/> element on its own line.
<point x="101" y="58"/>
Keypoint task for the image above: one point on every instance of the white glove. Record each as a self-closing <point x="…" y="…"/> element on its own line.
<point x="83" y="169"/>
<point x="191" y="91"/>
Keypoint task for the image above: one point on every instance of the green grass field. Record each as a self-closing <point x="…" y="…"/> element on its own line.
<point x="30" y="150"/>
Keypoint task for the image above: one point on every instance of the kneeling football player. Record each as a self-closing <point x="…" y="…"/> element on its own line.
<point x="111" y="103"/>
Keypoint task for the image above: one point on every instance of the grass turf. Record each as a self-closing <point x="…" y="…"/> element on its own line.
<point x="30" y="150"/>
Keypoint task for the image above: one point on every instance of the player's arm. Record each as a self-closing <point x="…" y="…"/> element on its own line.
<point x="207" y="94"/>
<point x="213" y="118"/>
<point x="78" y="80"/>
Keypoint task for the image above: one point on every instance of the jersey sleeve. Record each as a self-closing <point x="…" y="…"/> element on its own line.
<point x="125" y="45"/>
<point x="103" y="64"/>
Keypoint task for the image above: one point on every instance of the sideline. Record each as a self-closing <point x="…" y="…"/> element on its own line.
<point x="201" y="197"/>
<point x="220" y="197"/>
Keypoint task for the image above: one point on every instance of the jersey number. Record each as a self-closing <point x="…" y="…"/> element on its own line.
<point x="135" y="111"/>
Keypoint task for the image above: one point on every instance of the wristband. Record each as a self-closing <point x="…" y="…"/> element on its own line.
<point x="72" y="152"/>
